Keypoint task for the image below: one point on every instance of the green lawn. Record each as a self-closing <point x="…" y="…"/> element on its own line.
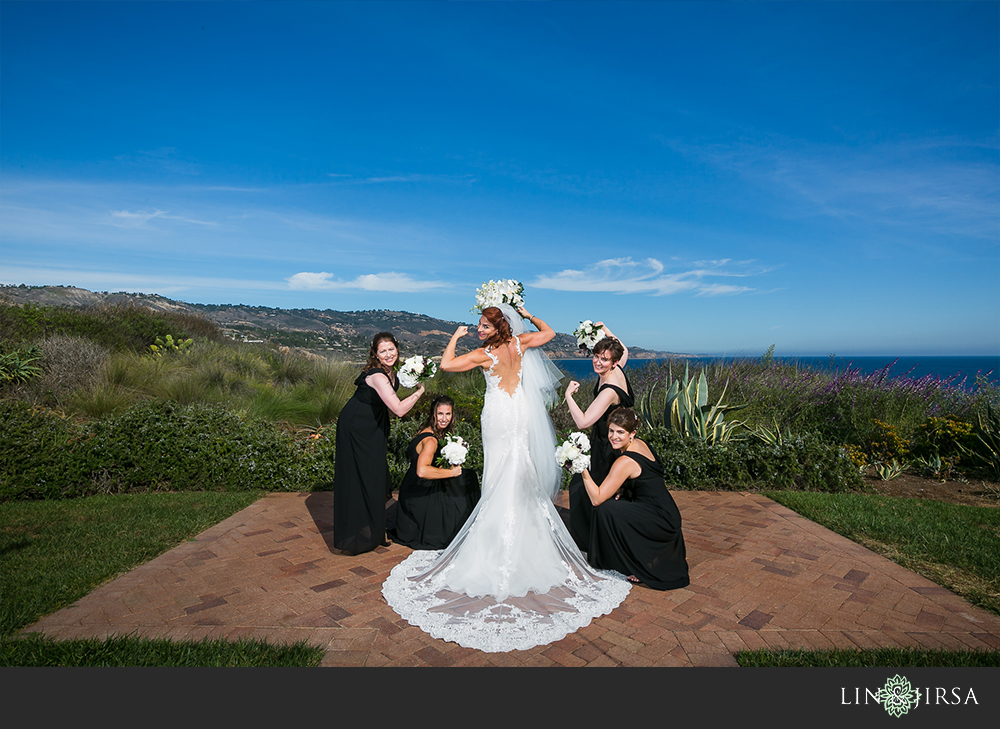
<point x="55" y="552"/>
<point x="955" y="546"/>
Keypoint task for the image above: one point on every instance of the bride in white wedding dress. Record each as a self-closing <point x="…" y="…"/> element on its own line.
<point x="512" y="578"/>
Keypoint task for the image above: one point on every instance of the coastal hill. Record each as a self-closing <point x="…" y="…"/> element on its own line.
<point x="337" y="334"/>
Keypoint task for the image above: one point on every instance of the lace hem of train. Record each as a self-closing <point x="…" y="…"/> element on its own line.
<point x="516" y="623"/>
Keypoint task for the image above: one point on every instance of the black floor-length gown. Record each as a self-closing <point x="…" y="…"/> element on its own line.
<point x="602" y="455"/>
<point x="431" y="511"/>
<point x="641" y="536"/>
<point x="361" y="469"/>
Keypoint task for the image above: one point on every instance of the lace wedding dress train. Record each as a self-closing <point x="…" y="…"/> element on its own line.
<point x="513" y="578"/>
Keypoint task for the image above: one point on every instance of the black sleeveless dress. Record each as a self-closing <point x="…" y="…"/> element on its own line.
<point x="431" y="511"/>
<point x="641" y="536"/>
<point x="602" y="455"/>
<point x="361" y="470"/>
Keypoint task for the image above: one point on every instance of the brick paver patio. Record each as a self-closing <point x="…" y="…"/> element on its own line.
<point x="761" y="575"/>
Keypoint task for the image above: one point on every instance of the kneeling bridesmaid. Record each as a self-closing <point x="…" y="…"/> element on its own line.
<point x="434" y="503"/>
<point x="637" y="533"/>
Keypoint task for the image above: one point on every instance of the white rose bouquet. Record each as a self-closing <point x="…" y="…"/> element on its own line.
<point x="452" y="451"/>
<point x="573" y="454"/>
<point x="504" y="291"/>
<point x="416" y="369"/>
<point x="588" y="334"/>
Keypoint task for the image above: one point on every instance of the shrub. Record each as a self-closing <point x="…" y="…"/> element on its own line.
<point x="173" y="447"/>
<point x="885" y="444"/>
<point x="67" y="363"/>
<point x="942" y="436"/>
<point x="804" y="462"/>
<point x="156" y="446"/>
<point x="984" y="450"/>
<point x="115" y="327"/>
<point x="40" y="452"/>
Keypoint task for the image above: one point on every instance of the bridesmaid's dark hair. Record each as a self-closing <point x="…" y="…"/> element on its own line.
<point x="625" y="418"/>
<point x="431" y="422"/>
<point x="373" y="361"/>
<point x="612" y="345"/>
<point x="503" y="334"/>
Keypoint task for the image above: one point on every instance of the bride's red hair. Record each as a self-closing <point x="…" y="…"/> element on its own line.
<point x="503" y="334"/>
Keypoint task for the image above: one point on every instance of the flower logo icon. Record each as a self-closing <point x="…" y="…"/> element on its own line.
<point x="897" y="696"/>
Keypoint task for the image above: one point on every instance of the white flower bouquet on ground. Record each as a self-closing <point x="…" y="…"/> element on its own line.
<point x="504" y="291"/>
<point x="416" y="369"/>
<point x="588" y="334"/>
<point x="573" y="454"/>
<point x="452" y="451"/>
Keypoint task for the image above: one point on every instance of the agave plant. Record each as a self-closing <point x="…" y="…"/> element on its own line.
<point x="19" y="366"/>
<point x="687" y="411"/>
<point x="985" y="451"/>
<point x="775" y="436"/>
<point x="889" y="470"/>
<point x="934" y="466"/>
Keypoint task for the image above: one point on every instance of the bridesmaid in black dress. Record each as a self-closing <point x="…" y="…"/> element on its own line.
<point x="612" y="390"/>
<point x="434" y="503"/>
<point x="638" y="532"/>
<point x="361" y="467"/>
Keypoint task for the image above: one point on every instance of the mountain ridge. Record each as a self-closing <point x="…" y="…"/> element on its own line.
<point x="329" y="332"/>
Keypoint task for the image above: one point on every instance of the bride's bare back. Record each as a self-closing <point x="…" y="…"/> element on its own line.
<point x="508" y="365"/>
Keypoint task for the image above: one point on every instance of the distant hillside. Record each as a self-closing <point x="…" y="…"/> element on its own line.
<point x="340" y="334"/>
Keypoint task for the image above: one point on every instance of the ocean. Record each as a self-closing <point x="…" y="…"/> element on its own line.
<point x="962" y="369"/>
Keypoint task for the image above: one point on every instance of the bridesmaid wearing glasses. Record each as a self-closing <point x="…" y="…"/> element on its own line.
<point x="611" y="390"/>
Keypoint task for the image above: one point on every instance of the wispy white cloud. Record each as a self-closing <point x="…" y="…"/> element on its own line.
<point x="721" y="290"/>
<point x="401" y="177"/>
<point x="109" y="218"/>
<point x="416" y="177"/>
<point x="139" y="218"/>
<point x="389" y="281"/>
<point x="650" y="276"/>
<point x="131" y="219"/>
<point x="946" y="186"/>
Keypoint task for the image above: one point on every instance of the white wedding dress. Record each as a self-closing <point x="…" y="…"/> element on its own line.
<point x="512" y="578"/>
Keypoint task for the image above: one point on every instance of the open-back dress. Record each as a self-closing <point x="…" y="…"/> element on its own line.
<point x="512" y="578"/>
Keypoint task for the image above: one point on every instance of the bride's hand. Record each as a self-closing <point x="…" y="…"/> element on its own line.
<point x="523" y="312"/>
<point x="461" y="332"/>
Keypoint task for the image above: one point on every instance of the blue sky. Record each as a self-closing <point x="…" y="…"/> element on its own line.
<point x="706" y="177"/>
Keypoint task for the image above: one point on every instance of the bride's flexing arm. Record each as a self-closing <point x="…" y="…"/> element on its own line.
<point x="467" y="361"/>
<point x="544" y="334"/>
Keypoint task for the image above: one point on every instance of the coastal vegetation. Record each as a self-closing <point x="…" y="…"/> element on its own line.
<point x="130" y="407"/>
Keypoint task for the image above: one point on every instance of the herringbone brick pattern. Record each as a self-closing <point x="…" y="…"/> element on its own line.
<point x="761" y="576"/>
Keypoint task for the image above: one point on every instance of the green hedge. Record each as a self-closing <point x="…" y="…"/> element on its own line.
<point x="804" y="462"/>
<point x="156" y="446"/>
<point x="166" y="446"/>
